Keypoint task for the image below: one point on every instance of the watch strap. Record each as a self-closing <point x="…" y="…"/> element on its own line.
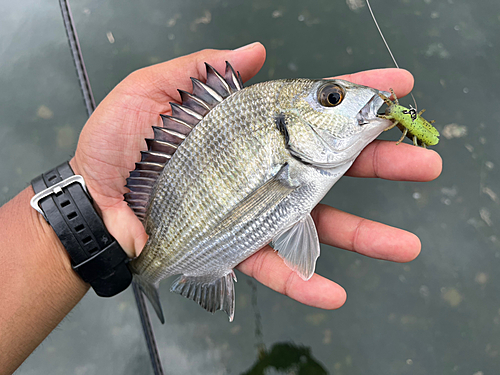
<point x="96" y="256"/>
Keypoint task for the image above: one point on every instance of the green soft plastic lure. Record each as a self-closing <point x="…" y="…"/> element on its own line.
<point x="411" y="123"/>
<point x="408" y="120"/>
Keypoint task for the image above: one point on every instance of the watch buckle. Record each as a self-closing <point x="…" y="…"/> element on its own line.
<point x="57" y="190"/>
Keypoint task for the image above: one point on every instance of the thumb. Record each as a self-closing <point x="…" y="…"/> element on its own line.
<point x="164" y="79"/>
<point x="400" y="80"/>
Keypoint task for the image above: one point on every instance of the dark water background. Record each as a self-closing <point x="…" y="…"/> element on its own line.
<point x="439" y="314"/>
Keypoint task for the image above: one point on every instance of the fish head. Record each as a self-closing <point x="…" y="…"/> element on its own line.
<point x="329" y="122"/>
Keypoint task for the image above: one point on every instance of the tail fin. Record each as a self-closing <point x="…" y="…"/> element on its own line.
<point x="151" y="291"/>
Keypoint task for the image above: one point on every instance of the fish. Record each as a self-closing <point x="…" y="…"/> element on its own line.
<point x="233" y="169"/>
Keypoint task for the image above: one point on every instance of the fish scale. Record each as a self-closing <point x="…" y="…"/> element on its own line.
<point x="228" y="142"/>
<point x="247" y="169"/>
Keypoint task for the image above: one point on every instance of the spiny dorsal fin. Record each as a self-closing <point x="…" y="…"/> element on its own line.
<point x="217" y="82"/>
<point x="176" y="128"/>
<point x="168" y="135"/>
<point x="234" y="80"/>
<point x="194" y="103"/>
<point x="176" y="124"/>
<point x="154" y="156"/>
<point x="207" y="94"/>
<point x="185" y="114"/>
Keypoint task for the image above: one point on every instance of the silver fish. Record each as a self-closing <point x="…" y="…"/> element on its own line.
<point x="234" y="169"/>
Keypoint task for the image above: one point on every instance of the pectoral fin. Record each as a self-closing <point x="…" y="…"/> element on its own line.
<point x="299" y="247"/>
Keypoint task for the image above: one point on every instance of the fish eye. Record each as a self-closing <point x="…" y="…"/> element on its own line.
<point x="330" y="95"/>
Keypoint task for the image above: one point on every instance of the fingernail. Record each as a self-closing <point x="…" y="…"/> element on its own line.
<point x="248" y="46"/>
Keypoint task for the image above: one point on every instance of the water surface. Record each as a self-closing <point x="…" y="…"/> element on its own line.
<point x="439" y="314"/>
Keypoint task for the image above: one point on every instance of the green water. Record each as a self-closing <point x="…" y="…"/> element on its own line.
<point x="439" y="314"/>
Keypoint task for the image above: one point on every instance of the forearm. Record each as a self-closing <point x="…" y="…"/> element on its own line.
<point x="39" y="286"/>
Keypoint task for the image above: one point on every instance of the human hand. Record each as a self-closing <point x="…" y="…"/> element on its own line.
<point x="111" y="140"/>
<point x="113" y="137"/>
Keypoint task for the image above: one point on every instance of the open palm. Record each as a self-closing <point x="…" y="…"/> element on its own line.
<point x="113" y="137"/>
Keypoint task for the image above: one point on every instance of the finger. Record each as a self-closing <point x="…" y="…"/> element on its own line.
<point x="376" y="240"/>
<point x="400" y="80"/>
<point x="401" y="162"/>
<point x="268" y="268"/>
<point x="164" y="79"/>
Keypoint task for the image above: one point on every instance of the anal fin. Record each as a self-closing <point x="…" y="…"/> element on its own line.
<point x="211" y="294"/>
<point x="299" y="247"/>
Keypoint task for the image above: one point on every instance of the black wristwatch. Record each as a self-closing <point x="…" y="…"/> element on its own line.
<point x="63" y="200"/>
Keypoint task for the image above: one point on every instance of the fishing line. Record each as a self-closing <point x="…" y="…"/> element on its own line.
<point x="387" y="45"/>
<point x="88" y="98"/>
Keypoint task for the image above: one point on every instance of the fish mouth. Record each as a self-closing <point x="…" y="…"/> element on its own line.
<point x="369" y="112"/>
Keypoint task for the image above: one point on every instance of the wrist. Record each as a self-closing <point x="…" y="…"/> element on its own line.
<point x="57" y="259"/>
<point x="39" y="286"/>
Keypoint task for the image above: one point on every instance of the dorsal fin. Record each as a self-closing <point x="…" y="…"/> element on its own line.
<point x="206" y="93"/>
<point x="234" y="80"/>
<point x="176" y="128"/>
<point x="176" y="124"/>
<point x="193" y="102"/>
<point x="217" y="82"/>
